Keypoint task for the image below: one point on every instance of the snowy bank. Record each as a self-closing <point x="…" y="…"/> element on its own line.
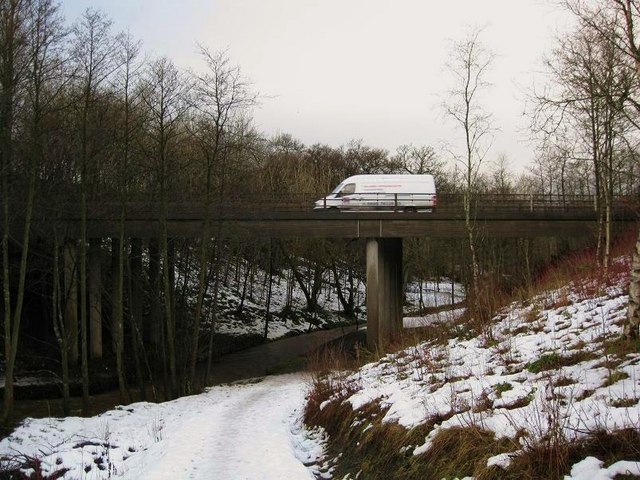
<point x="240" y="431"/>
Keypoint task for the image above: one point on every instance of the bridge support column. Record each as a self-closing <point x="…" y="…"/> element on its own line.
<point x="154" y="331"/>
<point x="384" y="291"/>
<point x="95" y="299"/>
<point x="137" y="293"/>
<point x="71" y="307"/>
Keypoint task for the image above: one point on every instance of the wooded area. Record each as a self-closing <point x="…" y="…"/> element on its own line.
<point x="85" y="115"/>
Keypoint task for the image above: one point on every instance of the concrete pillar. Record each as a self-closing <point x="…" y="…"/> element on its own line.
<point x="95" y="299"/>
<point x="384" y="291"/>
<point x="71" y="304"/>
<point x="155" y="317"/>
<point x="137" y="292"/>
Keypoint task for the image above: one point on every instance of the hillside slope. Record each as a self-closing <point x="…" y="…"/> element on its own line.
<point x="548" y="390"/>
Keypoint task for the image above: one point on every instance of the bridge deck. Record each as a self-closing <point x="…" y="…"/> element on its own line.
<point x="493" y="215"/>
<point x="440" y="224"/>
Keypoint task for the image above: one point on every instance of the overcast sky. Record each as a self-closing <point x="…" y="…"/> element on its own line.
<point x="336" y="70"/>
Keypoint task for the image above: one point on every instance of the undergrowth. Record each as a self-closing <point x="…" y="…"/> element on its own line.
<point x="364" y="446"/>
<point x="24" y="467"/>
<point x="584" y="272"/>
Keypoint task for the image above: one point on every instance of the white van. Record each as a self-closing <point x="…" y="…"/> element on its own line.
<point x="410" y="193"/>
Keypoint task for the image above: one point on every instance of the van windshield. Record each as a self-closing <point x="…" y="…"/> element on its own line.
<point x="338" y="188"/>
<point x="346" y="189"/>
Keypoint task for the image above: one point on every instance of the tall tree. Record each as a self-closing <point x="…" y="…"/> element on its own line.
<point x="43" y="91"/>
<point x="93" y="61"/>
<point x="222" y="94"/>
<point x="624" y="37"/>
<point x="125" y="79"/>
<point x="591" y="82"/>
<point x="164" y="94"/>
<point x="13" y="69"/>
<point x="469" y="64"/>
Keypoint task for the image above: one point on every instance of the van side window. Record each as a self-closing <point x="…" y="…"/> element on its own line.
<point x="348" y="189"/>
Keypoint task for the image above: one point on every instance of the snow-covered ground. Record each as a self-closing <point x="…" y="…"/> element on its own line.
<point x="418" y="295"/>
<point x="540" y="368"/>
<point x="242" y="431"/>
<point x="253" y="430"/>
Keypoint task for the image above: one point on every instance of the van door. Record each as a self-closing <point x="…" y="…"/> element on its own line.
<point x="346" y="194"/>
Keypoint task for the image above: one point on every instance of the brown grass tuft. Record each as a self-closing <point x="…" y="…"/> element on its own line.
<point x="553" y="463"/>
<point x="460" y="452"/>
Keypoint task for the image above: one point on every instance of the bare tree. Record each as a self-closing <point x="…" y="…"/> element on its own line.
<point x="92" y="55"/>
<point x="43" y="90"/>
<point x="421" y="159"/>
<point x="625" y="37"/>
<point x="164" y="95"/>
<point x="591" y="82"/>
<point x="469" y="64"/>
<point x="222" y="95"/>
<point x="629" y="11"/>
<point x="13" y="68"/>
<point x="501" y="176"/>
<point x="125" y="81"/>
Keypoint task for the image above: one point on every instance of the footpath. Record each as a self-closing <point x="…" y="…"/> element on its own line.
<point x="280" y="356"/>
<point x="272" y="357"/>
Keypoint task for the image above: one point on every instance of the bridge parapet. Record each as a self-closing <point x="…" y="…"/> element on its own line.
<point x="292" y="216"/>
<point x="259" y="202"/>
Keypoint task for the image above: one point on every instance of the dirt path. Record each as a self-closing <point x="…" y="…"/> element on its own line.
<point x="278" y="356"/>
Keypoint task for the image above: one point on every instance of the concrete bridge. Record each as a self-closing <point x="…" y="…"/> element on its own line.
<point x="290" y="216"/>
<point x="279" y="217"/>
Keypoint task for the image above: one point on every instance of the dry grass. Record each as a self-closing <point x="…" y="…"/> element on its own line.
<point x="14" y="469"/>
<point x="620" y="347"/>
<point x="545" y="463"/>
<point x="460" y="452"/>
<point x="583" y="266"/>
<point x="369" y="448"/>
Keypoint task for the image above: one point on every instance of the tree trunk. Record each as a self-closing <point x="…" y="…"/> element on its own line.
<point x="469" y="224"/>
<point x="117" y="252"/>
<point x="95" y="299"/>
<point x="155" y="316"/>
<point x="12" y="332"/>
<point x="168" y="307"/>
<point x="84" y="355"/>
<point x="633" y="310"/>
<point x="310" y="294"/>
<point x="243" y="294"/>
<point x="135" y="291"/>
<point x="347" y="304"/>
<point x="71" y="300"/>
<point x="59" y="326"/>
<point x="214" y="308"/>
<point x="202" y="288"/>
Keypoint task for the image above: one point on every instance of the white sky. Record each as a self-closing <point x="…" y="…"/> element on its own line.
<point x="336" y="70"/>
